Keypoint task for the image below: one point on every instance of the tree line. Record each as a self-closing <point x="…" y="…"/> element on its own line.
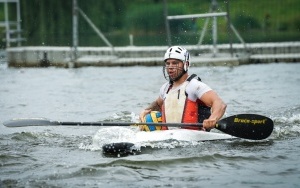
<point x="49" y="23"/>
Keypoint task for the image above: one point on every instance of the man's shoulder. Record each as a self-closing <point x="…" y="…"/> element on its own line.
<point x="195" y="84"/>
<point x="165" y="85"/>
<point x="195" y="80"/>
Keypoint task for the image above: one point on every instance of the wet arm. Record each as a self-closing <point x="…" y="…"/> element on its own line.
<point x="218" y="108"/>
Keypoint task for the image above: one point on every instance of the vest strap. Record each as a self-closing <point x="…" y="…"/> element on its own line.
<point x="193" y="76"/>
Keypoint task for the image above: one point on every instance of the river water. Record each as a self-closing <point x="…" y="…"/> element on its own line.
<point x="69" y="156"/>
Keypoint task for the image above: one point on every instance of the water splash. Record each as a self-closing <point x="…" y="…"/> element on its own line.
<point x="287" y="126"/>
<point x="293" y="119"/>
<point x="111" y="135"/>
<point x="123" y="116"/>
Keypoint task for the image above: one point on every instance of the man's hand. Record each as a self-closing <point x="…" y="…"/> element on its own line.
<point x="209" y="123"/>
<point x="144" y="113"/>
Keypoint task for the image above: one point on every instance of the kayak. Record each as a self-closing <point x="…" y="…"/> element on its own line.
<point x="181" y="135"/>
<point x="132" y="145"/>
<point x="246" y="126"/>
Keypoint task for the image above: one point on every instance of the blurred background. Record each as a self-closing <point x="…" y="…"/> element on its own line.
<point x="49" y="22"/>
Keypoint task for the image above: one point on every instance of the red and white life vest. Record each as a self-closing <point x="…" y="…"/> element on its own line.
<point x="180" y="109"/>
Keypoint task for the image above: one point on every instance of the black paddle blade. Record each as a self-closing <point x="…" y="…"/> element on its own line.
<point x="248" y="126"/>
<point x="120" y="149"/>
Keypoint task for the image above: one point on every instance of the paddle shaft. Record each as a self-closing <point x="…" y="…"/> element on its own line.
<point x="66" y="123"/>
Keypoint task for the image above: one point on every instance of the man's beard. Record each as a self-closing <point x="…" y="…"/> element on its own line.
<point x="180" y="72"/>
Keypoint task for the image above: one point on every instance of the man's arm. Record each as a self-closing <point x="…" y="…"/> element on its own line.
<point x="154" y="106"/>
<point x="218" y="108"/>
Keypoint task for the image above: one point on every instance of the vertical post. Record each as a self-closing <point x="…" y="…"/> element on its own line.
<point x="215" y="35"/>
<point x="130" y="39"/>
<point x="18" y="23"/>
<point x="214" y="29"/>
<point x="228" y="27"/>
<point x="167" y="23"/>
<point x="75" y="30"/>
<point x="7" y="25"/>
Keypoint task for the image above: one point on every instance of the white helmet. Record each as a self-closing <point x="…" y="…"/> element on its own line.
<point x="180" y="53"/>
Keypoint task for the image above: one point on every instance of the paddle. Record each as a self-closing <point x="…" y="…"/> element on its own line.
<point x="248" y="126"/>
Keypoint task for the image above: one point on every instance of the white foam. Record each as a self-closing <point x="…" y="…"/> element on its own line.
<point x="155" y="139"/>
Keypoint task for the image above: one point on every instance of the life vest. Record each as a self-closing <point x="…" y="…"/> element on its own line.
<point x="183" y="110"/>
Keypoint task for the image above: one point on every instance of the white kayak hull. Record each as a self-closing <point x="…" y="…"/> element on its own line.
<point x="121" y="134"/>
<point x="180" y="135"/>
<point x="122" y="141"/>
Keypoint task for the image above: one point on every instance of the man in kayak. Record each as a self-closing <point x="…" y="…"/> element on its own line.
<point x="184" y="98"/>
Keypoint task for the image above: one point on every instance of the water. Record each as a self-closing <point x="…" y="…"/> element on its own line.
<point x="69" y="156"/>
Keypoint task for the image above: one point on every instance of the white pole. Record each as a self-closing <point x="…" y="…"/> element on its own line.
<point x="131" y="39"/>
<point x="215" y="36"/>
<point x="75" y="30"/>
<point x="19" y="23"/>
<point x="7" y="25"/>
<point x="213" y="14"/>
<point x="96" y="30"/>
<point x="214" y="29"/>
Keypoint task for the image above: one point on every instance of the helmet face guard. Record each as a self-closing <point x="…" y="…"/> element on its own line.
<point x="180" y="73"/>
<point x="180" y="53"/>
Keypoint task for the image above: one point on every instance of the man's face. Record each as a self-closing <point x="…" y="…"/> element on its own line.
<point x="174" y="68"/>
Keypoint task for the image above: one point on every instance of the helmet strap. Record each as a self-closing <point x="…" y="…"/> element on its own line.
<point x="186" y="65"/>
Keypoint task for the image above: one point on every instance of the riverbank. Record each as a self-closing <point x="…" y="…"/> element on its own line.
<point x="226" y="55"/>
